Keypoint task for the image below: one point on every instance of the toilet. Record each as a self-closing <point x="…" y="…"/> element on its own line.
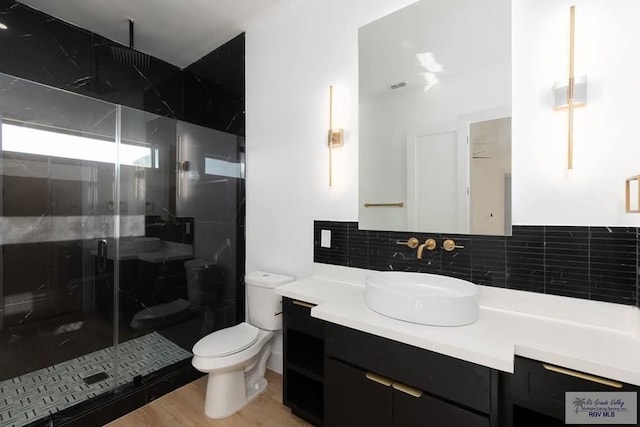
<point x="235" y="358"/>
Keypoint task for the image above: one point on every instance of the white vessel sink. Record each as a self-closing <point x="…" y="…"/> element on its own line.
<point x="428" y="299"/>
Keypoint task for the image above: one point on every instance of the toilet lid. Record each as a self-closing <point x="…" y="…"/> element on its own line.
<point x="226" y="341"/>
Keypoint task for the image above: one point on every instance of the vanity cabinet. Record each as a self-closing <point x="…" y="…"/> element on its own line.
<point x="538" y="391"/>
<point x="341" y="377"/>
<point x="303" y="353"/>
<point x="375" y="381"/>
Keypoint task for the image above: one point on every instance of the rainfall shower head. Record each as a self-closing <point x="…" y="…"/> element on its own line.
<point x="128" y="55"/>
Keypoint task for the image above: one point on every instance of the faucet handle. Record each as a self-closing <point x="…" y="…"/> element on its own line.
<point x="412" y="242"/>
<point x="449" y="245"/>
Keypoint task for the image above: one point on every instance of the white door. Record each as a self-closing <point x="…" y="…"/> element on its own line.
<point x="490" y="176"/>
<point x="432" y="181"/>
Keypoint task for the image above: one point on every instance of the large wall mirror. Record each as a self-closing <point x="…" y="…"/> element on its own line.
<point x="435" y="118"/>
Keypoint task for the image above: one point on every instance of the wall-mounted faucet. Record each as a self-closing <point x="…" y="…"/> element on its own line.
<point x="429" y="244"/>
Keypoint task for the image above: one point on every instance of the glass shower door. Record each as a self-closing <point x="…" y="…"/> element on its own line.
<point x="58" y="168"/>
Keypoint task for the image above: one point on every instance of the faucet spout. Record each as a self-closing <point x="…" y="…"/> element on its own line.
<point x="429" y="244"/>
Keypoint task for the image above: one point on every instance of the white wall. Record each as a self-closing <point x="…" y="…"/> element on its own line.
<point x="292" y="56"/>
<point x="607" y="135"/>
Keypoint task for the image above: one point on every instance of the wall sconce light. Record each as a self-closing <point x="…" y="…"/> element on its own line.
<point x="628" y="196"/>
<point x="335" y="138"/>
<point x="573" y="94"/>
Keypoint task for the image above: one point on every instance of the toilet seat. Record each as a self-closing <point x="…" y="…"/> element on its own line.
<point x="226" y="341"/>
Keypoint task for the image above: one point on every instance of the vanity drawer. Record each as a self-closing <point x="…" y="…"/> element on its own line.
<point x="297" y="315"/>
<point x="461" y="382"/>
<point x="541" y="387"/>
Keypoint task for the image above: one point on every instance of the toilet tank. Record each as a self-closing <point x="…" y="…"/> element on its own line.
<point x="264" y="305"/>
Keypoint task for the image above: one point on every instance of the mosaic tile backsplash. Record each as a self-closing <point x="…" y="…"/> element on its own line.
<point x="596" y="263"/>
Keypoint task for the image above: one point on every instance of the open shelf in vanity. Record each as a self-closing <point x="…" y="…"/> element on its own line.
<point x="303" y="372"/>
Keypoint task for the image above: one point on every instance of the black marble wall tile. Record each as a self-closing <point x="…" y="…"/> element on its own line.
<point x="525" y="259"/>
<point x="358" y="242"/>
<point x="613" y="264"/>
<point x="488" y="260"/>
<point x="457" y="263"/>
<point x="338" y="252"/>
<point x="124" y="76"/>
<point x="378" y="250"/>
<point x="566" y="255"/>
<point x="45" y="50"/>
<point x="214" y="88"/>
<point x="166" y="98"/>
<point x="598" y="263"/>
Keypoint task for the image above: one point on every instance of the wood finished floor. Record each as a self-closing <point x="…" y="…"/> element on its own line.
<point x="185" y="407"/>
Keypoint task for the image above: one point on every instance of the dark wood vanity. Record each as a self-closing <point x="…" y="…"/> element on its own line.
<point x="337" y="376"/>
<point x="304" y="361"/>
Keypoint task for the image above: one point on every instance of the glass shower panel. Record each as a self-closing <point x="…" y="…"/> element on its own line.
<point x="178" y="278"/>
<point x="155" y="244"/>
<point x="210" y="173"/>
<point x="58" y="158"/>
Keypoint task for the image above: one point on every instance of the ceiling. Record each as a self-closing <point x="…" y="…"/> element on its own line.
<point x="179" y="32"/>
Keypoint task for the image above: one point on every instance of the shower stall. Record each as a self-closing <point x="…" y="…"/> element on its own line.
<point x="118" y="246"/>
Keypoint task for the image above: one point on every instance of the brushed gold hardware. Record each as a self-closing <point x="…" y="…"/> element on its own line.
<point x="379" y="379"/>
<point x="582" y="376"/>
<point x="408" y="390"/>
<point x="412" y="242"/>
<point x="302" y="304"/>
<point x="335" y="137"/>
<point x="570" y="88"/>
<point x="449" y="245"/>
<point x="386" y="205"/>
<point x="429" y="244"/>
<point x="627" y="194"/>
<point x="330" y="144"/>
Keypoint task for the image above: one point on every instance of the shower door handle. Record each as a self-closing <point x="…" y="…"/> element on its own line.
<point x="103" y="246"/>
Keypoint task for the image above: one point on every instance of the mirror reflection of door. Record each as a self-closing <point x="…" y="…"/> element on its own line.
<point x="490" y="174"/>
<point x="432" y="181"/>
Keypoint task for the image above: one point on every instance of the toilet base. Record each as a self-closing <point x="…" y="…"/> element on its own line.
<point x="226" y="394"/>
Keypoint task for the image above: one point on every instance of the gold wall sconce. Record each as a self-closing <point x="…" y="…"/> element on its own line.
<point x="573" y="94"/>
<point x="627" y="194"/>
<point x="335" y="137"/>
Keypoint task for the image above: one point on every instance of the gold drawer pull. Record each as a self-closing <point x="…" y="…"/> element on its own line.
<point x="303" y="304"/>
<point x="407" y="390"/>
<point x="587" y="377"/>
<point x="379" y="379"/>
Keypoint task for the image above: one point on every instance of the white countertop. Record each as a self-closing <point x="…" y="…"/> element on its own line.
<point x="599" y="338"/>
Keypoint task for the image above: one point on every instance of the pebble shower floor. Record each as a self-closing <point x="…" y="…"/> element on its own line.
<point x="44" y="392"/>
